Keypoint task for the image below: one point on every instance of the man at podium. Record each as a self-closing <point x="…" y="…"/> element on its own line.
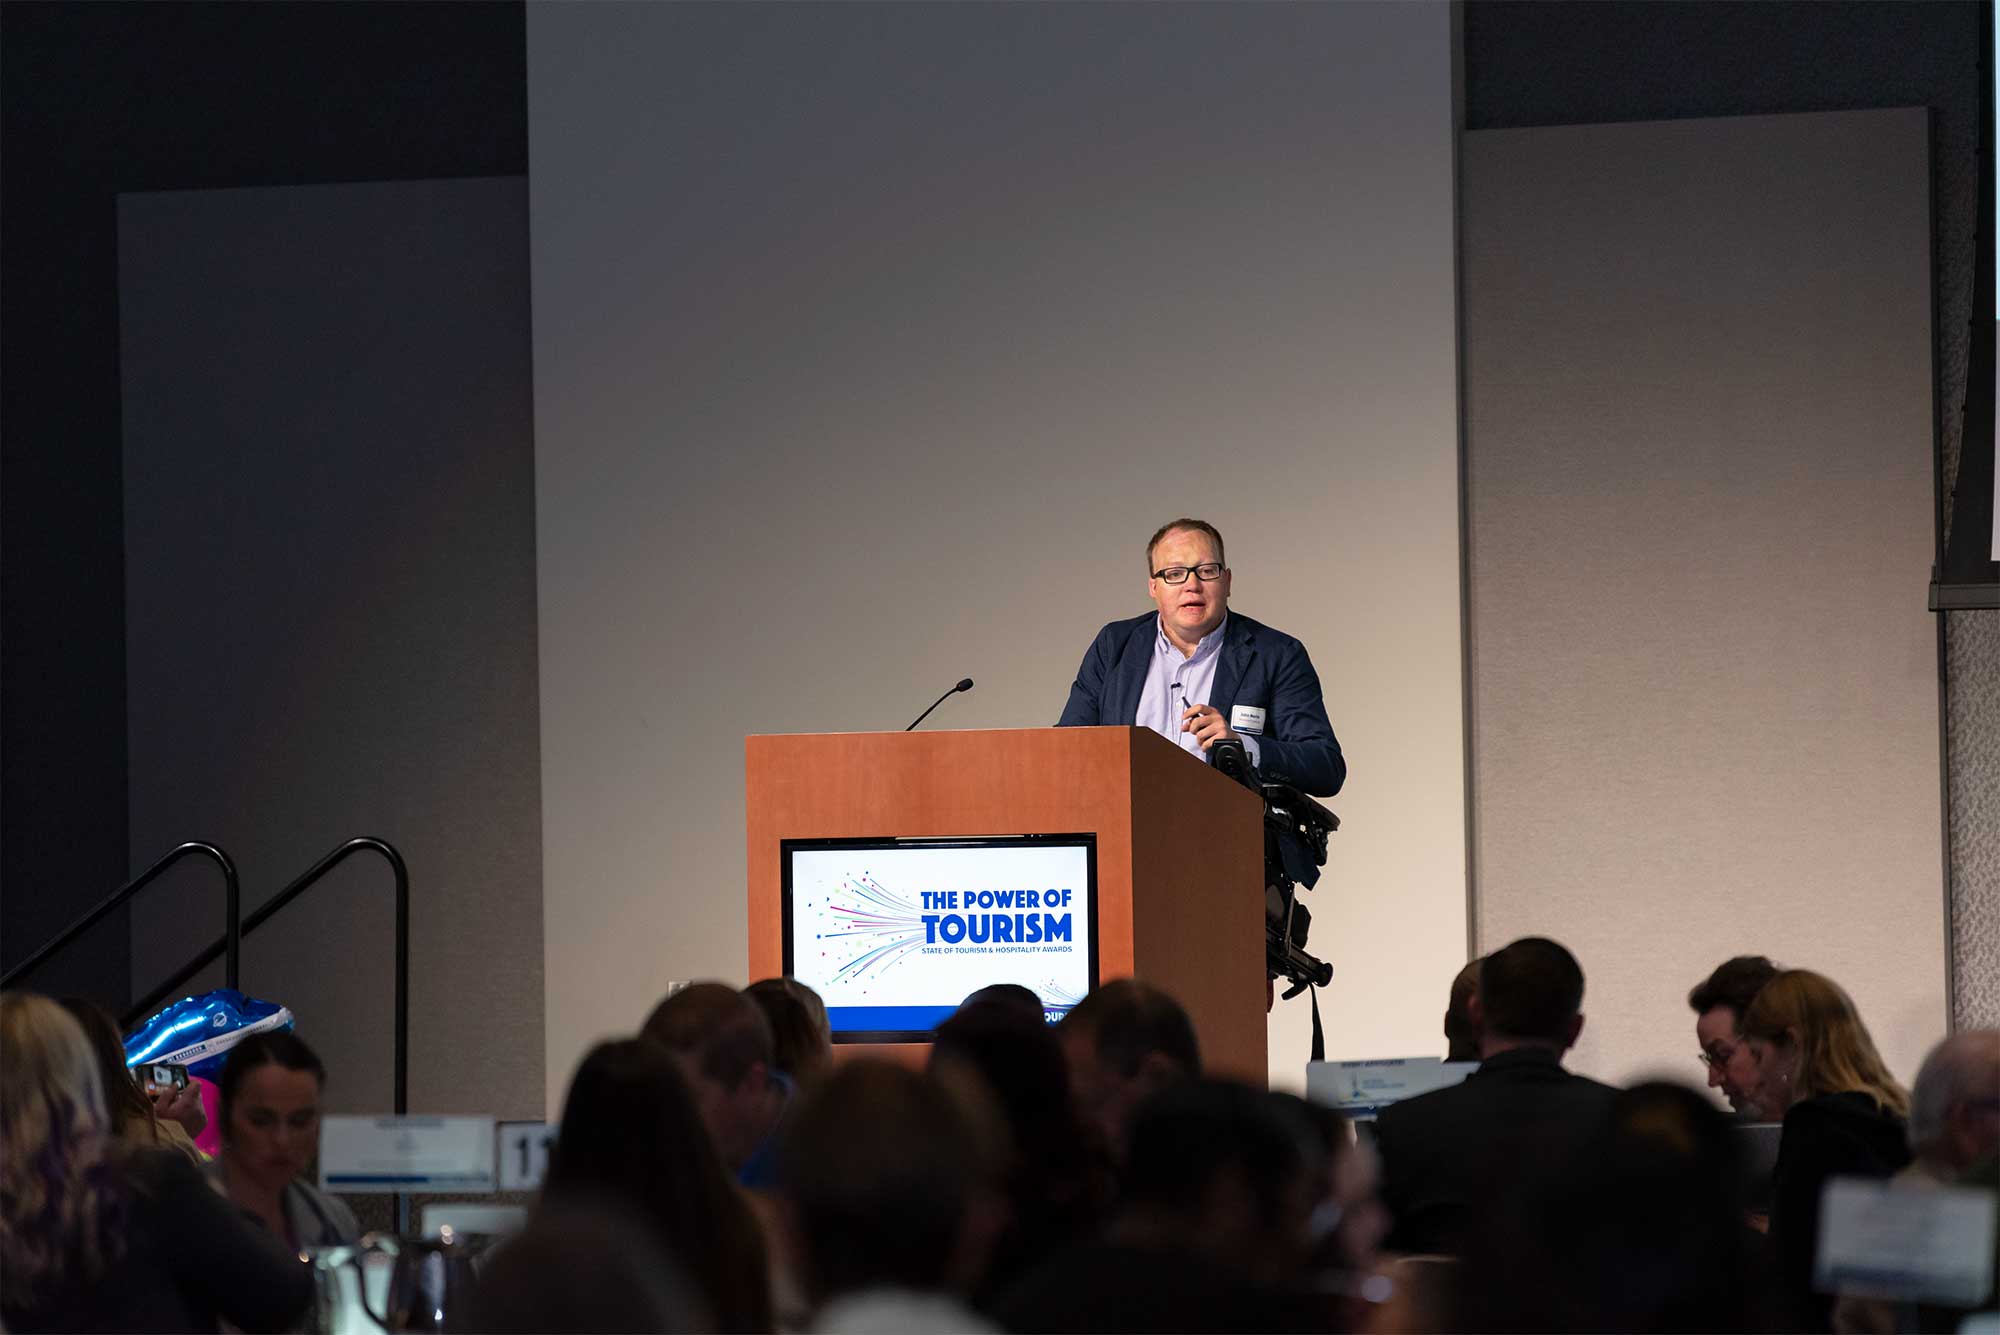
<point x="1197" y="674"/>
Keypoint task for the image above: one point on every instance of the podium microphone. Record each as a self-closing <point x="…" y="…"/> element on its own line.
<point x="964" y="685"/>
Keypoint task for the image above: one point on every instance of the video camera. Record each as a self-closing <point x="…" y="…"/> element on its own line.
<point x="1295" y="834"/>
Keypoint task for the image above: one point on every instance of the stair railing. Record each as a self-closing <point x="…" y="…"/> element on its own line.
<point x="310" y="877"/>
<point x="230" y="947"/>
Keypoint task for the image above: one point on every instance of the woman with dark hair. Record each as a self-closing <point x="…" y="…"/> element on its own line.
<point x="1055" y="1188"/>
<point x="1845" y="1115"/>
<point x="270" y="1097"/>
<point x="801" y="1043"/>
<point x="631" y="1136"/>
<point x="1637" y="1228"/>
<point x="135" y="1118"/>
<point x="98" y="1236"/>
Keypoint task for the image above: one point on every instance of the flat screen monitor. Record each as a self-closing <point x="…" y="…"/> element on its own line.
<point x="894" y="933"/>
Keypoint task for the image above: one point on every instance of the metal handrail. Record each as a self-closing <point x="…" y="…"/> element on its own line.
<point x="231" y="945"/>
<point x="143" y="1008"/>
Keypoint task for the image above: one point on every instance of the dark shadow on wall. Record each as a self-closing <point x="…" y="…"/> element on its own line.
<point x="1547" y="62"/>
<point x="99" y="98"/>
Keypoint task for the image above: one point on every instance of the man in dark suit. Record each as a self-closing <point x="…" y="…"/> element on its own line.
<point x="1444" y="1152"/>
<point x="1196" y="673"/>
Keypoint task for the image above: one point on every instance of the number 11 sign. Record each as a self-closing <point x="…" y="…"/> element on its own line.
<point x="524" y="1154"/>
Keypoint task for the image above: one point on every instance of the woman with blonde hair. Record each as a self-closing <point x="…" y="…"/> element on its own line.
<point x="135" y="1117"/>
<point x="98" y="1236"/>
<point x="1844" y="1115"/>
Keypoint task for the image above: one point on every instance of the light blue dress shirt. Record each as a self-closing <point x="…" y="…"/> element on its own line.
<point x="1174" y="682"/>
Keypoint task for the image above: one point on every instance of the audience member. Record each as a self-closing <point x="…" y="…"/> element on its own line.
<point x="631" y="1135"/>
<point x="1719" y="1002"/>
<point x="723" y="1045"/>
<point x="1348" y="1224"/>
<point x="1461" y="1033"/>
<point x="1955" y="1107"/>
<point x="801" y="1040"/>
<point x="1212" y="1228"/>
<point x="1124" y="1042"/>
<point x="887" y="1179"/>
<point x="1844" y="1115"/>
<point x="1013" y="995"/>
<point x="1053" y="1182"/>
<point x="1954" y="1131"/>
<point x="599" y="1269"/>
<point x="1447" y="1149"/>
<point x="1636" y="1227"/>
<point x="167" y="1119"/>
<point x="270" y="1097"/>
<point x="98" y="1236"/>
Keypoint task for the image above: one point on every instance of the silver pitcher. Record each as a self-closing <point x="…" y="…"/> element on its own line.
<point x="385" y="1283"/>
<point x="430" y="1284"/>
<point x="344" y="1277"/>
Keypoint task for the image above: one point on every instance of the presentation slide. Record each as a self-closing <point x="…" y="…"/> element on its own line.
<point x="894" y="936"/>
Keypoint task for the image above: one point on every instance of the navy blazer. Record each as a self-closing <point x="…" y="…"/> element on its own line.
<point x="1260" y="667"/>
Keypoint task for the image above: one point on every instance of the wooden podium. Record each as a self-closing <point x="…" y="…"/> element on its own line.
<point x="1180" y="848"/>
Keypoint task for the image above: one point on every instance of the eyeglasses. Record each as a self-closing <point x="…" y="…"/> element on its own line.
<point x="1716" y="1060"/>
<point x="1207" y="572"/>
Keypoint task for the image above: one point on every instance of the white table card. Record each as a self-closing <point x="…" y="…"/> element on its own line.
<point x="1364" y="1088"/>
<point x="406" y="1154"/>
<point x="1900" y="1241"/>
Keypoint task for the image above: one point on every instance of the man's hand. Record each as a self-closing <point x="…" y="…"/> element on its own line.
<point x="180" y="1105"/>
<point x="1207" y="724"/>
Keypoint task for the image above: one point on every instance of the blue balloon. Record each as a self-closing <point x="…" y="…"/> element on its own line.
<point x="198" y="1032"/>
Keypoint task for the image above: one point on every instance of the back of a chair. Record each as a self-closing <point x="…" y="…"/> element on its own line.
<point x="1757" y="1144"/>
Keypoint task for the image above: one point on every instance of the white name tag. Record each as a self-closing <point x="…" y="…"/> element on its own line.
<point x="1246" y="718"/>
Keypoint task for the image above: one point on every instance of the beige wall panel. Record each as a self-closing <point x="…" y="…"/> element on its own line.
<point x="1705" y="703"/>
<point x="870" y="344"/>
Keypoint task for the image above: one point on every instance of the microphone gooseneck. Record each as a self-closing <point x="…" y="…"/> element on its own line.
<point x="964" y="684"/>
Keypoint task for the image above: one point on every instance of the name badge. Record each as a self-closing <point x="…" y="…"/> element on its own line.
<point x="1246" y="718"/>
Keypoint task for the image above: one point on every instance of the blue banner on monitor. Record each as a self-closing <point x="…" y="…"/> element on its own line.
<point x="894" y="933"/>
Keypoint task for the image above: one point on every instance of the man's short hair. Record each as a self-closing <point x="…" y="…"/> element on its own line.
<point x="1531" y="989"/>
<point x="1459" y="1031"/>
<point x="1735" y="984"/>
<point x="1962" y="1067"/>
<point x="1192" y="526"/>
<point x="1129" y="1021"/>
<point x="1012" y="997"/>
<point x="716" y="1027"/>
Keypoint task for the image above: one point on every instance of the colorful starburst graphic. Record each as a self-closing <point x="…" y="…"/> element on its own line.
<point x="874" y="926"/>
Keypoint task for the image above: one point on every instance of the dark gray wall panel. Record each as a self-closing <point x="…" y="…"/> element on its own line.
<point x="103" y="98"/>
<point x="331" y="604"/>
